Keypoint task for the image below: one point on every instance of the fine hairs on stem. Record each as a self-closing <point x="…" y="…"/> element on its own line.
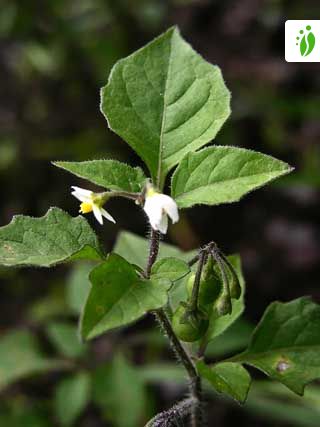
<point x="195" y="381"/>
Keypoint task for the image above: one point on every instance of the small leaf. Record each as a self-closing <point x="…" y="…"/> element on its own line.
<point x="169" y="268"/>
<point x="119" y="296"/>
<point x="64" y="336"/>
<point x="135" y="249"/>
<point x="233" y="172"/>
<point x="229" y="378"/>
<point x="286" y="344"/>
<point x="48" y="307"/>
<point x="46" y="241"/>
<point x="165" y="100"/>
<point x="72" y="395"/>
<point x="78" y="286"/>
<point x="20" y="357"/>
<point x="119" y="391"/>
<point x="110" y="174"/>
<point x="163" y="372"/>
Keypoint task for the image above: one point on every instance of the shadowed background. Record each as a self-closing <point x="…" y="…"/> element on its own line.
<point x="55" y="56"/>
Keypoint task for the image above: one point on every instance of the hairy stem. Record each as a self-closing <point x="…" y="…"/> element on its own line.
<point x="172" y="416"/>
<point x="195" y="381"/>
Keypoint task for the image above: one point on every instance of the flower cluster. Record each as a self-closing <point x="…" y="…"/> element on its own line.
<point x="157" y="206"/>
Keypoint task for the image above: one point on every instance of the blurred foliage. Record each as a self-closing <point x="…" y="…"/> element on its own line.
<point x="55" y="56"/>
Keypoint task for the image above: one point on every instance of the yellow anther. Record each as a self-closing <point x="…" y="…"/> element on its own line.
<point x="151" y="192"/>
<point x="86" y="207"/>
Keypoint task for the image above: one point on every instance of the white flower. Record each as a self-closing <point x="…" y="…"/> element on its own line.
<point x="92" y="202"/>
<point x="158" y="207"/>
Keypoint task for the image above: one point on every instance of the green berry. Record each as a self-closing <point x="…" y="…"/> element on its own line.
<point x="186" y="328"/>
<point x="208" y="292"/>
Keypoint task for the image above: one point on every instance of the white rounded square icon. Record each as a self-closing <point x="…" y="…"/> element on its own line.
<point x="302" y="40"/>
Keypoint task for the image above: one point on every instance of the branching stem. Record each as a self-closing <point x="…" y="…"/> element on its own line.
<point x="195" y="381"/>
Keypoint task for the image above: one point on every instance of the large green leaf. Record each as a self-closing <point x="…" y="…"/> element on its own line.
<point x="46" y="241"/>
<point x="110" y="174"/>
<point x="20" y="357"/>
<point x="135" y="249"/>
<point x="72" y="395"/>
<point x="165" y="100"/>
<point x="226" y="377"/>
<point x="286" y="343"/>
<point x="119" y="296"/>
<point x="218" y="175"/>
<point x="119" y="391"/>
<point x="169" y="268"/>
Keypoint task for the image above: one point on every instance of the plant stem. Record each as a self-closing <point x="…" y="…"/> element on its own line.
<point x="195" y="381"/>
<point x="153" y="251"/>
<point x="197" y="279"/>
<point x="172" y="416"/>
<point x="126" y="194"/>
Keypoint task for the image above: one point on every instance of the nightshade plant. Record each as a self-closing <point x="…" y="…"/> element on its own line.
<point x="167" y="103"/>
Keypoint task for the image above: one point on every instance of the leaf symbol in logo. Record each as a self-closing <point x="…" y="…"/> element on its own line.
<point x="307" y="42"/>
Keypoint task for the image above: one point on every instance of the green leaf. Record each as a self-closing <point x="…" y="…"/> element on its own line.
<point x="120" y="393"/>
<point x="21" y="411"/>
<point x="64" y="336"/>
<point x="110" y="174"/>
<point x="286" y="344"/>
<point x="72" y="395"/>
<point x="228" y="378"/>
<point x="20" y="357"/>
<point x="165" y="100"/>
<point x="119" y="296"/>
<point x="78" y="286"/>
<point x="46" y="241"/>
<point x="218" y="175"/>
<point x="135" y="249"/>
<point x="274" y="401"/>
<point x="233" y="340"/>
<point x="169" y="268"/>
<point x="48" y="307"/>
<point x="163" y="372"/>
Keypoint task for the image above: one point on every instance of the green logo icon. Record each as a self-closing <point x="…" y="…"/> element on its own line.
<point x="306" y="40"/>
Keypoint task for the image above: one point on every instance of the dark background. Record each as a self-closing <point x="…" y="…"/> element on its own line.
<point x="55" y="56"/>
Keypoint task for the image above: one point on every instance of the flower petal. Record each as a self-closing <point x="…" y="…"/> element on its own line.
<point x="154" y="211"/>
<point x="107" y="215"/>
<point x="81" y="198"/>
<point x="82" y="194"/>
<point x="97" y="213"/>
<point x="163" y="224"/>
<point x="82" y="191"/>
<point x="171" y="208"/>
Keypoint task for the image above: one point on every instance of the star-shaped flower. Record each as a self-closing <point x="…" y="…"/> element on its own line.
<point x="92" y="202"/>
